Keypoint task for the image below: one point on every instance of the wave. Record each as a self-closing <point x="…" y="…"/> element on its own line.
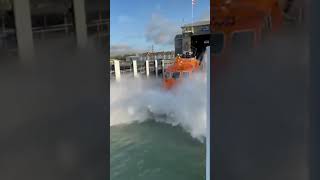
<point x="138" y="100"/>
<point x="141" y="99"/>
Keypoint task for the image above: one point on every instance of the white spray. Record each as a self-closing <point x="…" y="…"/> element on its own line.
<point x="137" y="100"/>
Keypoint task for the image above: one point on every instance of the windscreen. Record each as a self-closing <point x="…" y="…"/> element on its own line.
<point x="167" y="75"/>
<point x="185" y="75"/>
<point x="176" y="75"/>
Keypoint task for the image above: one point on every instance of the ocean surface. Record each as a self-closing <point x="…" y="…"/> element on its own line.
<point x="157" y="134"/>
<point x="155" y="151"/>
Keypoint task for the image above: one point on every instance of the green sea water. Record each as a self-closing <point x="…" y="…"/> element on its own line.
<point x="155" y="151"/>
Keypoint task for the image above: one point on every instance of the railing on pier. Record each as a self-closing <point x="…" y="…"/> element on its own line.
<point x="8" y="39"/>
<point x="138" y="68"/>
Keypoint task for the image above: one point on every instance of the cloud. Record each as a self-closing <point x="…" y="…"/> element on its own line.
<point x="160" y="30"/>
<point x="120" y="49"/>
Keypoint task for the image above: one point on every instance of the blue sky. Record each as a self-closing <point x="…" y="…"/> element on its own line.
<point x="136" y="25"/>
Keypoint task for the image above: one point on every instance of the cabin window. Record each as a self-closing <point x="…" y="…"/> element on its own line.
<point x="242" y="41"/>
<point x="176" y="75"/>
<point x="186" y="75"/>
<point x="217" y="40"/>
<point x="167" y="75"/>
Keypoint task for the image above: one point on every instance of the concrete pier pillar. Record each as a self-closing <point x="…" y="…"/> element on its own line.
<point x="135" y="68"/>
<point x="163" y="66"/>
<point x="156" y="67"/>
<point x="80" y="22"/>
<point x="147" y="68"/>
<point x="23" y="24"/>
<point x="117" y="71"/>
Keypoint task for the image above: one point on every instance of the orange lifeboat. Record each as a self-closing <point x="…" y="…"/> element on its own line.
<point x="183" y="68"/>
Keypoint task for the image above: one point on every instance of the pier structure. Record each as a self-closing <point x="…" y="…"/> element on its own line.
<point x="25" y="25"/>
<point x="135" y="68"/>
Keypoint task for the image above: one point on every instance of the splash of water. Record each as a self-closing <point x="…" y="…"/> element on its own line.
<point x="139" y="100"/>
